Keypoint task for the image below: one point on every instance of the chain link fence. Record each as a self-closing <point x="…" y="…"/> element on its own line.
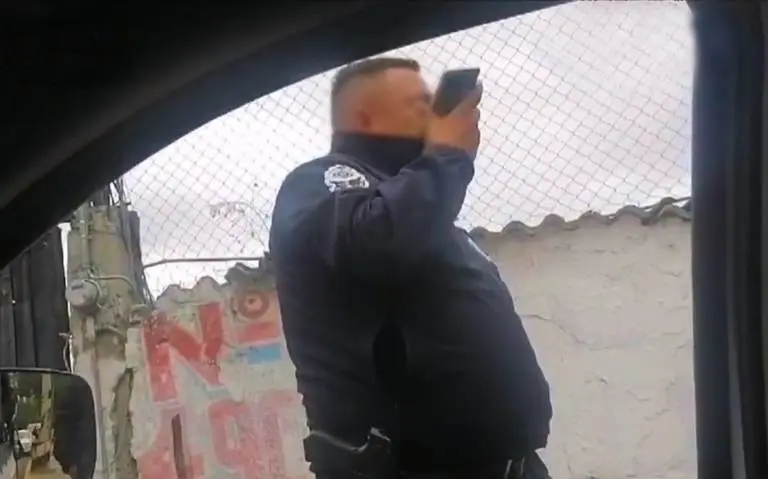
<point x="587" y="106"/>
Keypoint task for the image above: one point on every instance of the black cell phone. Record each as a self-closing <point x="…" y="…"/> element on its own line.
<point x="454" y="87"/>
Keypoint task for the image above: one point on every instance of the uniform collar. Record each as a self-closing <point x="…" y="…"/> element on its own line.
<point x="387" y="154"/>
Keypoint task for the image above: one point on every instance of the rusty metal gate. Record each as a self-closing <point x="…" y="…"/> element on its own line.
<point x="33" y="310"/>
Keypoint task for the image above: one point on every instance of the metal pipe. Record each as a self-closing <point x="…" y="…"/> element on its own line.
<point x="100" y="416"/>
<point x="83" y="229"/>
<point x="214" y="259"/>
<point x="83" y="214"/>
<point x="114" y="277"/>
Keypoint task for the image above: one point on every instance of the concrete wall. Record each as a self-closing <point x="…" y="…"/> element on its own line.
<point x="214" y="356"/>
<point x="606" y="301"/>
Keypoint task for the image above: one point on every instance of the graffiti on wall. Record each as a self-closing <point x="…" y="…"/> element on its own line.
<point x="215" y="363"/>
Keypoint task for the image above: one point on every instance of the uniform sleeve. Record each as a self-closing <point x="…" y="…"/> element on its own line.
<point x="382" y="230"/>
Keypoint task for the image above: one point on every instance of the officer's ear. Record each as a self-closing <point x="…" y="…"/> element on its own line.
<point x="361" y="102"/>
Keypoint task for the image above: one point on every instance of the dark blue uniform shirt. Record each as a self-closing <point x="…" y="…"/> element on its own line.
<point x="393" y="316"/>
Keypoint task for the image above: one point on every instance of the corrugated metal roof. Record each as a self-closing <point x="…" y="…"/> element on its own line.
<point x="679" y="208"/>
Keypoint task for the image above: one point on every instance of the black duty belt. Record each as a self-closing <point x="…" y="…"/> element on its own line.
<point x="332" y="458"/>
<point x="513" y="469"/>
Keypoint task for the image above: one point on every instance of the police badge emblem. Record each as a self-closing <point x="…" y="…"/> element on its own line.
<point x="344" y="177"/>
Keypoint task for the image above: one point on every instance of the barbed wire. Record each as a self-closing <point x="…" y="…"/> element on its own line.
<point x="587" y="106"/>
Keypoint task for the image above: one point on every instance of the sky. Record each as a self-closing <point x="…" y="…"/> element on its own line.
<point x="586" y="106"/>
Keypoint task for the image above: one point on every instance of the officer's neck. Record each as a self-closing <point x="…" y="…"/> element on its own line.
<point x="385" y="153"/>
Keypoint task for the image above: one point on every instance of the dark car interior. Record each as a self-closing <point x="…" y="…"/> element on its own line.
<point x="90" y="90"/>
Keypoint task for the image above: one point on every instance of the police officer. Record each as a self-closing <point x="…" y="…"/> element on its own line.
<point x="409" y="353"/>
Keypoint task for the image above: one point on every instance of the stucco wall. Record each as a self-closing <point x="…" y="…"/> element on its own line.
<point x="607" y="305"/>
<point x="608" y="308"/>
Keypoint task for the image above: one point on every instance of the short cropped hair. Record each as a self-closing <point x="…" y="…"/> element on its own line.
<point x="364" y="68"/>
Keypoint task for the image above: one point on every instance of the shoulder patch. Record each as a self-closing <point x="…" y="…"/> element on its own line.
<point x="344" y="177"/>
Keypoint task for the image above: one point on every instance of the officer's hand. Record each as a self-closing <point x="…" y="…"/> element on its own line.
<point x="459" y="128"/>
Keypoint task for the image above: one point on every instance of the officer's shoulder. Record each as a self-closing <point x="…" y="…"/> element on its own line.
<point x="306" y="186"/>
<point x="301" y="188"/>
<point x="306" y="169"/>
<point x="304" y="183"/>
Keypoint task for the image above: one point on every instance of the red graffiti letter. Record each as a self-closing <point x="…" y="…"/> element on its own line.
<point x="158" y="463"/>
<point x="268" y="411"/>
<point x="238" y="451"/>
<point x="201" y="355"/>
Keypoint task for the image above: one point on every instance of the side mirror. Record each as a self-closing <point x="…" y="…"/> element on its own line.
<point x="47" y="425"/>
